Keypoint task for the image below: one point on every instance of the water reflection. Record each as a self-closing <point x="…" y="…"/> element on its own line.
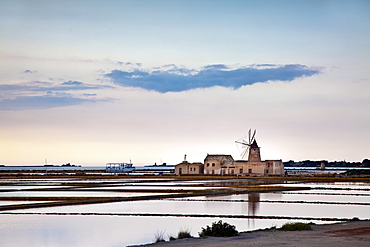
<point x="253" y="203"/>
<point x="253" y="207"/>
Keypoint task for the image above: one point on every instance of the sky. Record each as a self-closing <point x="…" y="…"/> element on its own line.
<point x="91" y="82"/>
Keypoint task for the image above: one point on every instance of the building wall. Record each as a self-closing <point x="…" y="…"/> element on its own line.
<point x="268" y="167"/>
<point x="276" y="167"/>
<point x="258" y="168"/>
<point x="186" y="168"/>
<point x="196" y="168"/>
<point x="228" y="170"/>
<point x="239" y="168"/>
<point x="182" y="168"/>
<point x="213" y="164"/>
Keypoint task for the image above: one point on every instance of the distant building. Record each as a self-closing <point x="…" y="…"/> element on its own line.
<point x="186" y="168"/>
<point x="224" y="164"/>
<point x="218" y="164"/>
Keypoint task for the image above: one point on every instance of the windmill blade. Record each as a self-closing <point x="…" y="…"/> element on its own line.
<point x="244" y="154"/>
<point x="254" y="134"/>
<point x="243" y="143"/>
<point x="240" y="146"/>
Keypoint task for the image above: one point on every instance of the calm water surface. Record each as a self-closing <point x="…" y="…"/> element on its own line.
<point x="73" y="194"/>
<point x="114" y="230"/>
<point x="104" y="231"/>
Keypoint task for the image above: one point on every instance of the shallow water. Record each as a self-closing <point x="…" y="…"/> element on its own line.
<point x="147" y="187"/>
<point x="105" y="231"/>
<point x="26" y="187"/>
<point x="324" y="201"/>
<point x="2" y="203"/>
<point x="217" y="208"/>
<point x="73" y="193"/>
<point x="298" y="196"/>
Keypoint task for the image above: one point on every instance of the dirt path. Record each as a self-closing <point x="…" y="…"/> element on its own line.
<point x="356" y="233"/>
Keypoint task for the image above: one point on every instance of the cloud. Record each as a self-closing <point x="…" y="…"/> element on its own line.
<point x="10" y="87"/>
<point x="72" y="83"/>
<point x="39" y="102"/>
<point x="27" y="71"/>
<point x="120" y="63"/>
<point x="181" y="79"/>
<point x="215" y="66"/>
<point x="39" y="86"/>
<point x="43" y="95"/>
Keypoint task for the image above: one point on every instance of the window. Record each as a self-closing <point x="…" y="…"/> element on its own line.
<point x="213" y="164"/>
<point x="249" y="170"/>
<point x="191" y="169"/>
<point x="194" y="168"/>
<point x="241" y="170"/>
<point x="207" y="164"/>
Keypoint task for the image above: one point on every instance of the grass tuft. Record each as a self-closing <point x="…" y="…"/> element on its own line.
<point x="159" y="236"/>
<point x="295" y="227"/>
<point x="184" y="234"/>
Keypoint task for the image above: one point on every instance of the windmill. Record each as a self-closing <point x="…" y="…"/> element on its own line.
<point x="244" y="144"/>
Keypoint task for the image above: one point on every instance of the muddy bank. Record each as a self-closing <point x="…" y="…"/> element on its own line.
<point x="354" y="233"/>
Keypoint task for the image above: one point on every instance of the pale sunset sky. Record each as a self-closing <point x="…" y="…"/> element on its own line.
<point x="91" y="82"/>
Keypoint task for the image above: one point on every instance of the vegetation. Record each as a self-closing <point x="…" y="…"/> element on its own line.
<point x="184" y="234"/>
<point x="295" y="227"/>
<point x="219" y="229"/>
<point x="171" y="238"/>
<point x="355" y="219"/>
<point x="159" y="236"/>
<point x="357" y="172"/>
<point x="317" y="163"/>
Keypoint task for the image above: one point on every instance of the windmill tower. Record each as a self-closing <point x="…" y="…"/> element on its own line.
<point x="250" y="148"/>
<point x="254" y="152"/>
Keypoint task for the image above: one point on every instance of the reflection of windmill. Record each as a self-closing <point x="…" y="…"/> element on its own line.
<point x="245" y="145"/>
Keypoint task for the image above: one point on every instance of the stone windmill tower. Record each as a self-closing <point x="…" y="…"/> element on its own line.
<point x="254" y="152"/>
<point x="250" y="148"/>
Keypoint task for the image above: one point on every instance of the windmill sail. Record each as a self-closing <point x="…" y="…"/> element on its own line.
<point x="246" y="145"/>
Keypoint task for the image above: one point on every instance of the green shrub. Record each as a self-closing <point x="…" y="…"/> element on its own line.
<point x="184" y="234"/>
<point x="295" y="227"/>
<point x="219" y="229"/>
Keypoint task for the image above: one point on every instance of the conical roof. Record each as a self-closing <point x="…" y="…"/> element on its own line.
<point x="254" y="144"/>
